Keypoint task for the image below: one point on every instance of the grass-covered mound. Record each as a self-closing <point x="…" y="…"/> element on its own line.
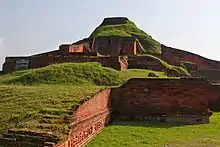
<point x="155" y="134"/>
<point x="68" y="73"/>
<point x="128" y="29"/>
<point x="75" y="74"/>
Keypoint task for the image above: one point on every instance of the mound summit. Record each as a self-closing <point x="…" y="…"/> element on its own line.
<point x="122" y="26"/>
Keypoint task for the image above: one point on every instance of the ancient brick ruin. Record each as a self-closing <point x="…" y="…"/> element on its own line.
<point x="179" y="100"/>
<point x="204" y="67"/>
<point x="182" y="100"/>
<point x="118" y="52"/>
<point x="117" y="46"/>
<point x="109" y="51"/>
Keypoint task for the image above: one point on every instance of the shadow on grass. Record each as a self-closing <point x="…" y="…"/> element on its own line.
<point x="150" y="124"/>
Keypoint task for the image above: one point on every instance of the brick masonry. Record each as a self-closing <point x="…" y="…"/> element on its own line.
<point x="11" y="64"/>
<point x="116" y="46"/>
<point x="181" y="100"/>
<point x="89" y="120"/>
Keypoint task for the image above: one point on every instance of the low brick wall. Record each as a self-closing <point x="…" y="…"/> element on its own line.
<point x="88" y="120"/>
<point x="171" y="99"/>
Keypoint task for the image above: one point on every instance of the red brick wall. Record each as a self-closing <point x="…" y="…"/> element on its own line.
<point x="115" y="46"/>
<point x="42" y="61"/>
<point x="128" y="47"/>
<point x="108" y="45"/>
<point x="157" y="97"/>
<point x="174" y="56"/>
<point x="89" y="119"/>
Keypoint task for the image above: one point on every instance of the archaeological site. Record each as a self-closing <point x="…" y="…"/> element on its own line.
<point x="187" y="93"/>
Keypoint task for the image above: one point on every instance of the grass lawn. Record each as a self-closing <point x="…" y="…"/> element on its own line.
<point x="145" y="134"/>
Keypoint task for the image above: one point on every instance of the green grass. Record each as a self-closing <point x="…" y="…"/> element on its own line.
<point x="129" y="29"/>
<point x="139" y="73"/>
<point x="75" y="74"/>
<point x="145" y="134"/>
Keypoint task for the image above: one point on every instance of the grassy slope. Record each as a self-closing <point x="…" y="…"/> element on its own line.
<point x="127" y="30"/>
<point x="145" y="134"/>
<point x="39" y="99"/>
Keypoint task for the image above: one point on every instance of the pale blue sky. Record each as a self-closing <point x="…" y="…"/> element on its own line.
<point x="34" y="26"/>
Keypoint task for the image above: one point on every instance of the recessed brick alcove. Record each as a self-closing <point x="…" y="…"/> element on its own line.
<point x="183" y="100"/>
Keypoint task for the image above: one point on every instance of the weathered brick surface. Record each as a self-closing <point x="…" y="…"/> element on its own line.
<point x="140" y="98"/>
<point x="116" y="46"/>
<point x="89" y="119"/>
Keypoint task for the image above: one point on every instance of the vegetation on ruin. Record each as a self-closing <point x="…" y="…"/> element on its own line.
<point x="129" y="29"/>
<point x="175" y="70"/>
<point x="74" y="74"/>
<point x="187" y="62"/>
<point x="187" y="65"/>
<point x="41" y="99"/>
<point x="155" y="134"/>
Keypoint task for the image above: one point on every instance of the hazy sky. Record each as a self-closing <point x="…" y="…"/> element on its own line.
<point x="34" y="26"/>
